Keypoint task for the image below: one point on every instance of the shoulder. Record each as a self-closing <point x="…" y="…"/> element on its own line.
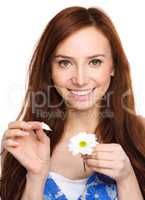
<point x="142" y="120"/>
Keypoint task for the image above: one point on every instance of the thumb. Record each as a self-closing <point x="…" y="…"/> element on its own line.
<point x="42" y="137"/>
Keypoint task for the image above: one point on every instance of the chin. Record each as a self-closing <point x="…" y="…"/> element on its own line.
<point x="82" y="106"/>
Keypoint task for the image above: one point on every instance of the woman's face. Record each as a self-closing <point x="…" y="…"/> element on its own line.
<point x="82" y="67"/>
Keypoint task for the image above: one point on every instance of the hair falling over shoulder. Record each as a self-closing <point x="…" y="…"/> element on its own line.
<point x="123" y="127"/>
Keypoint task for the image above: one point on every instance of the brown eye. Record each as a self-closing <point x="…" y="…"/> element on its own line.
<point x="96" y="62"/>
<point x="64" y="63"/>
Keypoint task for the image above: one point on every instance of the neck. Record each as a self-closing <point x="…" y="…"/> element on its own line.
<point x="78" y="121"/>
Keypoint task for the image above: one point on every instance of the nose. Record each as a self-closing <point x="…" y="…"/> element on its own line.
<point x="80" y="77"/>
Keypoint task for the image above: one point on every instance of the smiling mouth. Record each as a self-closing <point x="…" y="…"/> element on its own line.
<point x="81" y="92"/>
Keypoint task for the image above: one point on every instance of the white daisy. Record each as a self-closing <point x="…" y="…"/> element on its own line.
<point x="82" y="143"/>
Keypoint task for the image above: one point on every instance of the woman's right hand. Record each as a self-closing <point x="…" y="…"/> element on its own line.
<point x="29" y="144"/>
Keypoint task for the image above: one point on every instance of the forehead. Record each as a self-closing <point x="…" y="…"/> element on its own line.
<point x="84" y="42"/>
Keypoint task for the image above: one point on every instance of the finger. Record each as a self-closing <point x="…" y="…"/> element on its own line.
<point x="15" y="133"/>
<point x="101" y="155"/>
<point x="107" y="147"/>
<point x="9" y="143"/>
<point x="18" y="125"/>
<point x="100" y="163"/>
<point x="41" y="135"/>
<point x="35" y="124"/>
<point x="24" y="125"/>
<point x="107" y="172"/>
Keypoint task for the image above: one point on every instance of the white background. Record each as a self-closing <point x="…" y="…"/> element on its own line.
<point x="22" y="23"/>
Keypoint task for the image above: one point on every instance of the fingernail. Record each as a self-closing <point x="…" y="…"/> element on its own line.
<point x="26" y="133"/>
<point x="29" y="125"/>
<point x="23" y="133"/>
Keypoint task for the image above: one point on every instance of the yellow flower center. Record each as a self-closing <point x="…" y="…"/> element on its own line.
<point x="83" y="144"/>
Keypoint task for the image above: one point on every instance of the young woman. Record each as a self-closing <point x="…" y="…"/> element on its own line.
<point x="79" y="80"/>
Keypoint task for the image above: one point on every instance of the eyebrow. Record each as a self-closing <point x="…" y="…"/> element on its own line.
<point x="89" y="57"/>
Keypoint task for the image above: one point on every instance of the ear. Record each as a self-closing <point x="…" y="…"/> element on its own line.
<point x="112" y="72"/>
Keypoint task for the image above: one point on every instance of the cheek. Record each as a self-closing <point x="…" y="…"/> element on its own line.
<point x="103" y="82"/>
<point x="103" y="78"/>
<point x="59" y="79"/>
<point x="59" y="84"/>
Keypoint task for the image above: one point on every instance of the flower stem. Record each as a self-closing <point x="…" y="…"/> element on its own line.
<point x="84" y="164"/>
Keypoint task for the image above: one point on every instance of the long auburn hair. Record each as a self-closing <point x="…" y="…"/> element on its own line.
<point x="124" y="127"/>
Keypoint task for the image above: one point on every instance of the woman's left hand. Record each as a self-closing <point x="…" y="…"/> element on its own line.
<point x="111" y="160"/>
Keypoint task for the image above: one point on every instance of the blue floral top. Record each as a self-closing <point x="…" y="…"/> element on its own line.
<point x="98" y="187"/>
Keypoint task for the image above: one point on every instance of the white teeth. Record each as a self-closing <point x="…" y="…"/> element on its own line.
<point x="81" y="92"/>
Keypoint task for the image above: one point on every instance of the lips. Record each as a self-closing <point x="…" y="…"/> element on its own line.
<point x="81" y="92"/>
<point x="82" y="95"/>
